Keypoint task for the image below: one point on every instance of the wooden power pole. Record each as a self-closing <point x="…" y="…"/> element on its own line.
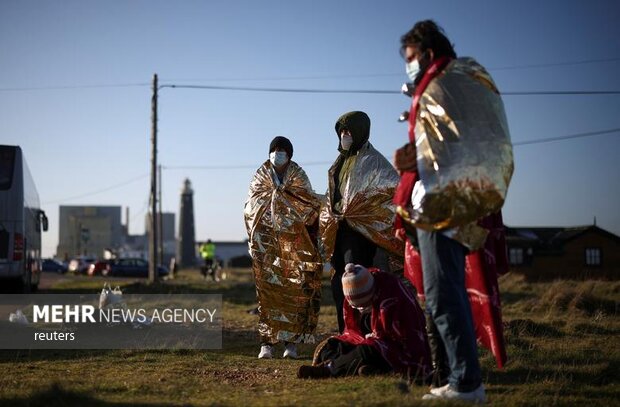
<point x="160" y="240"/>
<point x="153" y="257"/>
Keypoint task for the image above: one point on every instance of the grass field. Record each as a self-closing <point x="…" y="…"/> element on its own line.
<point x="562" y="336"/>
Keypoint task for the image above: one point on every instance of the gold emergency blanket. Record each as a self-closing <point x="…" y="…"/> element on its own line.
<point x="464" y="152"/>
<point x="285" y="261"/>
<point x="366" y="203"/>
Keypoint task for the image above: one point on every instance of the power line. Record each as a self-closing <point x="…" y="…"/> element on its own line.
<point x="99" y="191"/>
<point x="377" y="75"/>
<point x="232" y="167"/>
<point x="312" y="77"/>
<point x="552" y="64"/>
<point x="69" y="87"/>
<point x="281" y="90"/>
<point x="302" y="90"/>
<point x="568" y="137"/>
<point x="562" y="93"/>
<point x="378" y="91"/>
<point x="137" y="215"/>
<point x="308" y="164"/>
<point x="289" y="78"/>
<point x="515" y="144"/>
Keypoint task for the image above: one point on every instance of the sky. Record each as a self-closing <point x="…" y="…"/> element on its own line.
<point x="75" y="94"/>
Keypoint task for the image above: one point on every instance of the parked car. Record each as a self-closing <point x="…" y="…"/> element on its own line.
<point x="79" y="265"/>
<point x="131" y="267"/>
<point x="54" y="265"/>
<point x="97" y="268"/>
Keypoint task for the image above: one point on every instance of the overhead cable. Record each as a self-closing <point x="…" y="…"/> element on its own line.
<point x="308" y="164"/>
<point x="378" y="91"/>
<point x="98" y="191"/>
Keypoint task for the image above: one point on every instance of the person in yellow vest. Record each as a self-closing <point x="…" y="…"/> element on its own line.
<point x="207" y="252"/>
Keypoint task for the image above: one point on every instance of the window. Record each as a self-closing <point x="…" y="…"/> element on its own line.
<point x="593" y="256"/>
<point x="7" y="165"/>
<point x="515" y="255"/>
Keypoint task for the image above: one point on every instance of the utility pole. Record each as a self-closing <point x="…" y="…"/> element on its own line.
<point x="153" y="258"/>
<point x="161" y="221"/>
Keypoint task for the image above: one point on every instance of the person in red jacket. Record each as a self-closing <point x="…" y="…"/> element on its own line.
<point x="384" y="330"/>
<point x="455" y="172"/>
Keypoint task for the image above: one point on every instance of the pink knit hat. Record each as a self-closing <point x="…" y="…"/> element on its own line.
<point x="357" y="285"/>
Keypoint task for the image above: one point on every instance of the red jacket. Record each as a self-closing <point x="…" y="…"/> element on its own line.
<point x="398" y="325"/>
<point x="481" y="270"/>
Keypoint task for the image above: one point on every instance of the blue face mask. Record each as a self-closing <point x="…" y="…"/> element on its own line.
<point x="413" y="69"/>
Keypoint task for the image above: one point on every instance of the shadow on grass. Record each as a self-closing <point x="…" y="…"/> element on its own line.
<point x="523" y="375"/>
<point x="56" y="395"/>
<point x="593" y="329"/>
<point x="527" y="327"/>
<point x="512" y="297"/>
<point x="237" y="342"/>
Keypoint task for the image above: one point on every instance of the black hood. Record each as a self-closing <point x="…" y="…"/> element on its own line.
<point x="358" y="124"/>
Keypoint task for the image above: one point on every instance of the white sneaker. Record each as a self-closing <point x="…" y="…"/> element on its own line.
<point x="448" y="392"/>
<point x="266" y="352"/>
<point x="290" y="351"/>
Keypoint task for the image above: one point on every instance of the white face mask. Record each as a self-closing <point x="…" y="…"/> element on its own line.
<point x="278" y="158"/>
<point x="346" y="142"/>
<point x="413" y="69"/>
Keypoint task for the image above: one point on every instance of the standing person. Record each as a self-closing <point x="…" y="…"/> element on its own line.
<point x="281" y="219"/>
<point x="359" y="213"/>
<point x="455" y="171"/>
<point x="384" y="330"/>
<point x="207" y="252"/>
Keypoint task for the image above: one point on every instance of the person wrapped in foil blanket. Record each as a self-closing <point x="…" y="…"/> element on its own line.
<point x="281" y="216"/>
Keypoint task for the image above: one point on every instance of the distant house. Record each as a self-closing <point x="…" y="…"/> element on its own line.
<point x="581" y="252"/>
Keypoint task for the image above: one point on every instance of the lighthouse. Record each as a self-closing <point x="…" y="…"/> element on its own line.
<point x="186" y="251"/>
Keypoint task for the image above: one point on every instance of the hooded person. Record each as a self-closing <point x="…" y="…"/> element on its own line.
<point x="357" y="218"/>
<point x="281" y="219"/>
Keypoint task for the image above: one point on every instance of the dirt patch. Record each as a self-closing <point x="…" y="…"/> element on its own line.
<point x="255" y="376"/>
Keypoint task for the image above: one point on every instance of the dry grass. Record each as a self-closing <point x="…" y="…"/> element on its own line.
<point x="562" y="346"/>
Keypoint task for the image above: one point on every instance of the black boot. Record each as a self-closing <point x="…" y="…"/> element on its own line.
<point x="313" y="372"/>
<point x="441" y="368"/>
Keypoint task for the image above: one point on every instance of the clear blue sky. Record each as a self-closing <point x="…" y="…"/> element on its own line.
<point x="80" y="139"/>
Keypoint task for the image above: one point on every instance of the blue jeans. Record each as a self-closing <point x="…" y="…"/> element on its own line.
<point x="443" y="265"/>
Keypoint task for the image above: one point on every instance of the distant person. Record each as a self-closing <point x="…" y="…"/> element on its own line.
<point x="359" y="214"/>
<point x="207" y="252"/>
<point x="456" y="119"/>
<point x="281" y="217"/>
<point x="384" y="330"/>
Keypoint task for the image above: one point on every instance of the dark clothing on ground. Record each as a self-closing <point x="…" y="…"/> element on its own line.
<point x="347" y="358"/>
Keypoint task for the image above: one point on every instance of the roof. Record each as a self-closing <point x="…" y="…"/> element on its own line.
<point x="552" y="239"/>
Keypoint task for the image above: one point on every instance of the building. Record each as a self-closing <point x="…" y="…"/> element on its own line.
<point x="581" y="252"/>
<point x="88" y="230"/>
